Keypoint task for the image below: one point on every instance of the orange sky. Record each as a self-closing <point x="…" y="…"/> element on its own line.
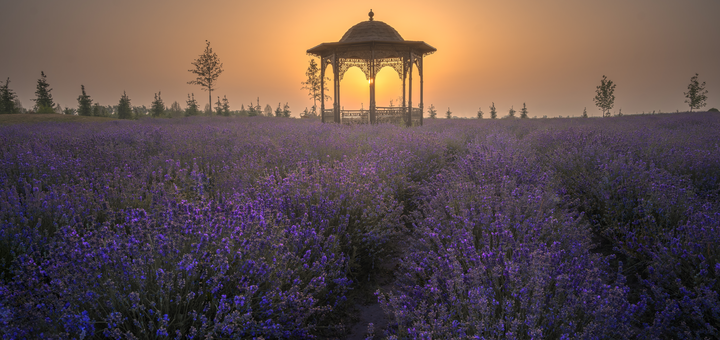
<point x="549" y="54"/>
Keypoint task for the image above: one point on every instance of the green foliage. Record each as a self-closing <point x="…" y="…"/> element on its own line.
<point x="252" y="112"/>
<point x="448" y="114"/>
<point x="605" y="99"/>
<point x="432" y="112"/>
<point x="84" y="103"/>
<point x="192" y="106"/>
<point x="713" y="110"/>
<point x="124" y="110"/>
<point x="511" y="113"/>
<point x="696" y="94"/>
<point x="493" y="111"/>
<point x="278" y="111"/>
<point x="225" y="106"/>
<point x="158" y="108"/>
<point x="313" y="83"/>
<point x="524" y="112"/>
<point x="44" y="101"/>
<point x="100" y="111"/>
<point x="218" y="107"/>
<point x="286" y="110"/>
<point x="7" y="99"/>
<point x="584" y="115"/>
<point x="479" y="113"/>
<point x="268" y="111"/>
<point x="69" y="111"/>
<point x="207" y="69"/>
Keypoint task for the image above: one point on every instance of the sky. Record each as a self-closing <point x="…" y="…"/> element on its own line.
<point x="548" y="54"/>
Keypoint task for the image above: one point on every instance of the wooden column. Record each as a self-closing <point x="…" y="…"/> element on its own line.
<point x="408" y="118"/>
<point x="322" y="89"/>
<point x="422" y="106"/>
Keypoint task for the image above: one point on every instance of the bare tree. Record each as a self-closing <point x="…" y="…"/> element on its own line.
<point x="207" y="69"/>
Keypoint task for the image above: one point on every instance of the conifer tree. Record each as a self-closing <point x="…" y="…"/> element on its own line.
<point x="7" y="99"/>
<point x="218" y="107"/>
<point x="448" y="114"/>
<point x="69" y="111"/>
<point x="479" y="113"/>
<point x="278" y="111"/>
<point x="192" y="106"/>
<point x="207" y="69"/>
<point x="696" y="94"/>
<point x="252" y="112"/>
<point x="286" y="110"/>
<point x="225" y="106"/>
<point x="313" y="83"/>
<point x="432" y="112"/>
<point x="524" y="112"/>
<point x="493" y="111"/>
<point x="44" y="102"/>
<point x="585" y="115"/>
<point x="84" y="103"/>
<point x="158" y="107"/>
<point x="124" y="110"/>
<point x="511" y="113"/>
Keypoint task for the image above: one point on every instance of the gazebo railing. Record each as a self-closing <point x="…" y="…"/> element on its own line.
<point x="393" y="115"/>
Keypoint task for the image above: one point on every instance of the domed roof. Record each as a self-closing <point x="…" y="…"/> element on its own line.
<point x="371" y="31"/>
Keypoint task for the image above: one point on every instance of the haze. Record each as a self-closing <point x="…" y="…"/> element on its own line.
<point x="548" y="54"/>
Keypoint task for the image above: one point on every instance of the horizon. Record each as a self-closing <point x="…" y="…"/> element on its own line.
<point x="545" y="55"/>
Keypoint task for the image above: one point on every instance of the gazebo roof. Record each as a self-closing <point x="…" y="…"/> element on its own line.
<point x="372" y="34"/>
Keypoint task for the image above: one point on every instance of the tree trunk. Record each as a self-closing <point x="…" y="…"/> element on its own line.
<point x="210" y="101"/>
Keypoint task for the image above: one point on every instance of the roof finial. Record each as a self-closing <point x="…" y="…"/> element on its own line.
<point x="371" y="14"/>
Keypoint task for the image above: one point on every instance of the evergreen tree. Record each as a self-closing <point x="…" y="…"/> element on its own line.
<point x="84" y="103"/>
<point x="432" y="112"/>
<point x="99" y="110"/>
<point x="278" y="111"/>
<point x="584" y="115"/>
<point x="252" y="112"/>
<point x="207" y="69"/>
<point x="286" y="110"/>
<point x="69" y="111"/>
<point x="511" y="113"/>
<point x="7" y="99"/>
<point x="524" y="112"/>
<point x="158" y="107"/>
<point x="620" y="113"/>
<point x="218" y="107"/>
<point x="124" y="110"/>
<point x="696" y="94"/>
<point x="605" y="99"/>
<point x="44" y="102"/>
<point x="192" y="106"/>
<point x="448" y="114"/>
<point x="493" y="111"/>
<point x="479" y="113"/>
<point x="243" y="112"/>
<point x="258" y="108"/>
<point x="225" y="106"/>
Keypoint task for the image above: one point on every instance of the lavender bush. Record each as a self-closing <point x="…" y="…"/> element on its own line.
<point x="253" y="227"/>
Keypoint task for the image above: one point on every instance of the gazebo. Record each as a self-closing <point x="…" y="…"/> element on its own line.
<point x="370" y="46"/>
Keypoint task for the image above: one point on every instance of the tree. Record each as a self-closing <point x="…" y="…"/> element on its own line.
<point x="313" y="83"/>
<point x="225" y="106"/>
<point x="432" y="112"/>
<point x="175" y="109"/>
<point x="192" y="106"/>
<point x="124" y="110"/>
<point x="69" y="111"/>
<point x="207" y="69"/>
<point x="99" y="110"/>
<point x="268" y="110"/>
<point x="605" y="99"/>
<point x="278" y="111"/>
<point x="493" y="111"/>
<point x="158" y="107"/>
<point x="43" y="102"/>
<point x="480" y="113"/>
<point x="7" y="98"/>
<point x="84" y="103"/>
<point x="511" y="113"/>
<point x="696" y="94"/>
<point x="524" y="112"/>
<point x="218" y="107"/>
<point x="251" y="110"/>
<point x="448" y="114"/>
<point x="286" y="110"/>
<point x="620" y="113"/>
<point x="584" y="115"/>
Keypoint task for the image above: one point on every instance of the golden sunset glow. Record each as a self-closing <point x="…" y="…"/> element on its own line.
<point x="548" y="54"/>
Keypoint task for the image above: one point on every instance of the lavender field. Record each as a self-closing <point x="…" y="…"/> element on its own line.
<point x="218" y="228"/>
